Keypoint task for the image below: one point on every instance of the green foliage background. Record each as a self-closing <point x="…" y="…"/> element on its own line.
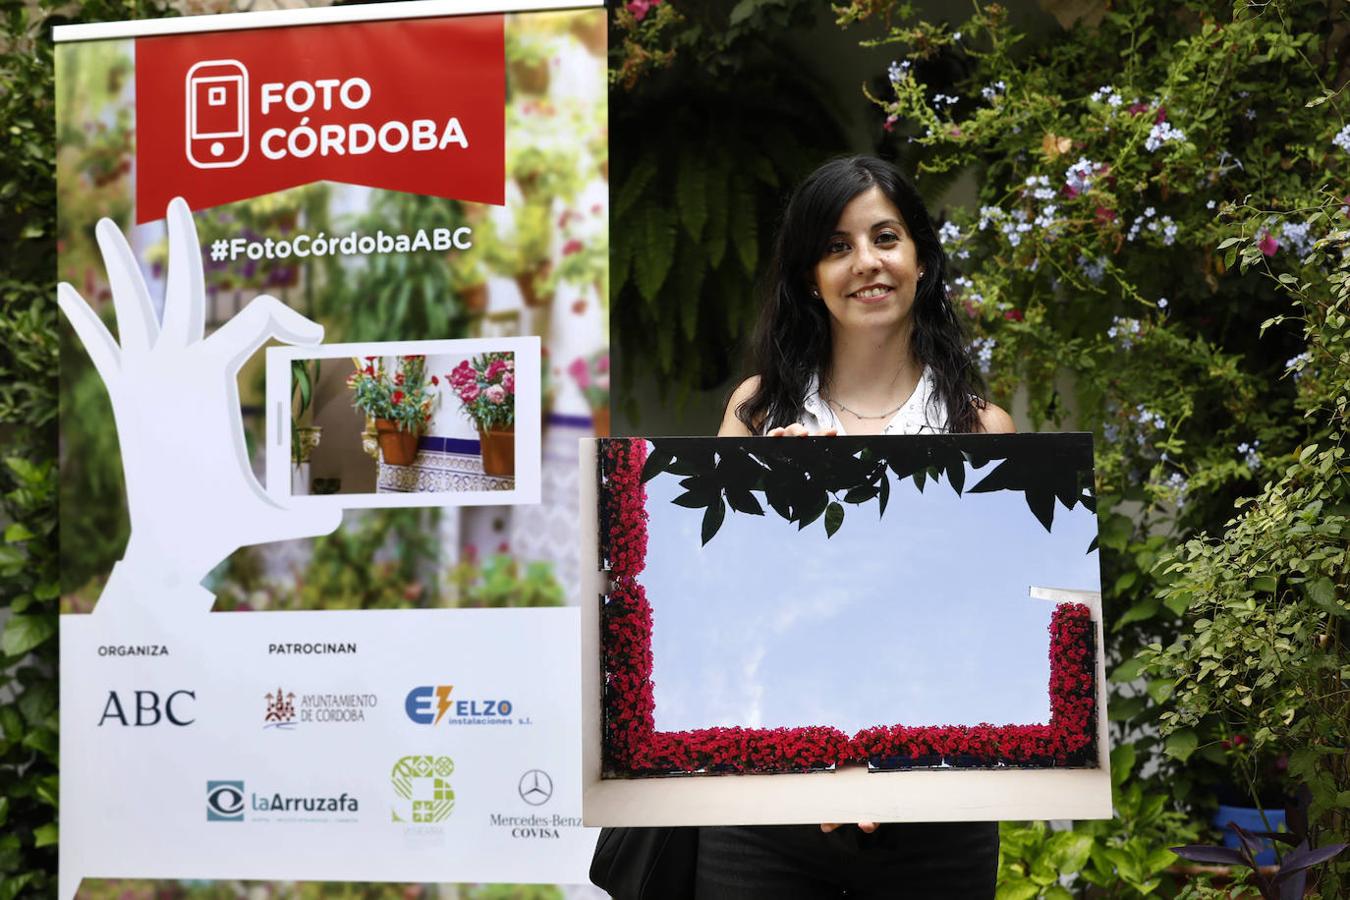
<point x="29" y="585"/>
<point x="1157" y="253"/>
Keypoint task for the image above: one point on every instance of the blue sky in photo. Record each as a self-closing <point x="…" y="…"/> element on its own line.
<point x="919" y="617"/>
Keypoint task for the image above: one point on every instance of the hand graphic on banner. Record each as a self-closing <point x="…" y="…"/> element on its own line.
<point x="191" y="493"/>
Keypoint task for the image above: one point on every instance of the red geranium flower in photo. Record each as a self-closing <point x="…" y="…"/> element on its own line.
<point x="397" y="397"/>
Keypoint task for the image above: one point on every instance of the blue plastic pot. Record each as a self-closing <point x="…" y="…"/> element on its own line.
<point x="1249" y="817"/>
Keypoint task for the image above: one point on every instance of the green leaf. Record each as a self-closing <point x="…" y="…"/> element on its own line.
<point x="1159" y="689"/>
<point x="656" y="463"/>
<point x="43" y="740"/>
<point x="1322" y="592"/>
<point x="45" y="835"/>
<point x="742" y="11"/>
<point x="834" y="517"/>
<point x="11" y="887"/>
<point x="1122" y="763"/>
<point x="1178" y="601"/>
<point x="743" y="501"/>
<point x="637" y="182"/>
<point x="1017" y="890"/>
<point x="1125" y="708"/>
<point x="1142" y="611"/>
<point x="656" y="251"/>
<point x="884" y="493"/>
<point x="11" y="724"/>
<point x="24" y="632"/>
<point x="745" y="226"/>
<point x="4" y="809"/>
<point x="691" y="197"/>
<point x="1071" y="851"/>
<point x="1181" y="744"/>
<point x="1127" y="671"/>
<point x="712" y="519"/>
<point x="17" y="532"/>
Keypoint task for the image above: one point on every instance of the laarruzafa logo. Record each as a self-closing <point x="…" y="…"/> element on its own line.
<point x="407" y="105"/>
<point x="217" y="113"/>
<point x="224" y="801"/>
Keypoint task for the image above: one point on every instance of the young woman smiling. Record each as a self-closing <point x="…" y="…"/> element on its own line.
<point x="857" y="336"/>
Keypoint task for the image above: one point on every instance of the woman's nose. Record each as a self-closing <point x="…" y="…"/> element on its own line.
<point x="866" y="259"/>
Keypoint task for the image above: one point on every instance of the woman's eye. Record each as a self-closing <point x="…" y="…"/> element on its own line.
<point x="836" y="247"/>
<point x="888" y="237"/>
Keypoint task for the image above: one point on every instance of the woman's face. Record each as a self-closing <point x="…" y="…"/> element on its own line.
<point x="870" y="268"/>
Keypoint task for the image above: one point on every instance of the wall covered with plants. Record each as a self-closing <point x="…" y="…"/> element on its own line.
<point x="1158" y="253"/>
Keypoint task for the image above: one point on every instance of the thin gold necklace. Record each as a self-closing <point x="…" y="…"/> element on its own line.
<point x="857" y="415"/>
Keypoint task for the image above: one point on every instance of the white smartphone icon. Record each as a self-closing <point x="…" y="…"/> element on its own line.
<point x="217" y="114"/>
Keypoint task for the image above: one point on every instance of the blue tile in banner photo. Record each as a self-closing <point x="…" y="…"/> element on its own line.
<point x="467" y="446"/>
<point x="573" y="421"/>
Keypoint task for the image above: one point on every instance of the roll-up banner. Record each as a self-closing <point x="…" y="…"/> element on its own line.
<point x="336" y="283"/>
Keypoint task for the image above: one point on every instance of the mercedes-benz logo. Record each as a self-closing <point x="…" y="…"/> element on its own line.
<point x="535" y="787"/>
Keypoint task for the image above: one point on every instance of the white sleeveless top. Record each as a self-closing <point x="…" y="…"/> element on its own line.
<point x="923" y="413"/>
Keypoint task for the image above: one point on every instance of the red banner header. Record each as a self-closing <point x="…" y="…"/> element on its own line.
<point x="415" y="105"/>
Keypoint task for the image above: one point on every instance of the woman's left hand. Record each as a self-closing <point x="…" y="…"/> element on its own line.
<point x="796" y="429"/>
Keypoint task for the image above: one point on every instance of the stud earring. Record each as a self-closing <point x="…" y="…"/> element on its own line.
<point x="921" y="274"/>
<point x="815" y="292"/>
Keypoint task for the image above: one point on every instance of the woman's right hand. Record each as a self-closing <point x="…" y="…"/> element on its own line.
<point x="796" y="429"/>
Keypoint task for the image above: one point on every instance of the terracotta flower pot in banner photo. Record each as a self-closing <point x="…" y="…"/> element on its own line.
<point x="592" y="31"/>
<point x="499" y="451"/>
<point x="399" y="448"/>
<point x="475" y="298"/>
<point x="529" y="77"/>
<point x="530" y="283"/>
<point x="600" y="421"/>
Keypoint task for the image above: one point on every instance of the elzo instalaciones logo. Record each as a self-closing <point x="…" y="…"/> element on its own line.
<point x="224" y="801"/>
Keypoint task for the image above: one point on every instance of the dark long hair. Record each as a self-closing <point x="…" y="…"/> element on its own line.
<point x="792" y="340"/>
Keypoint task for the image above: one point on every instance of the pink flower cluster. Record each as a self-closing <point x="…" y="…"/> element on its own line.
<point x="633" y="746"/>
<point x="640" y="8"/>
<point x="496" y="384"/>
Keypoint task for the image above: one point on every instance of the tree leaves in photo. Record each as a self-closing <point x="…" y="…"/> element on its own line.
<point x="803" y="479"/>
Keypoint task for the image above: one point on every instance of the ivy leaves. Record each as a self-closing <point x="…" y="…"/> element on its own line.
<point x="805" y="480"/>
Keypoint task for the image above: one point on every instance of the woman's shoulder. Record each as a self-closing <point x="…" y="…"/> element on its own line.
<point x="732" y="426"/>
<point x="995" y="420"/>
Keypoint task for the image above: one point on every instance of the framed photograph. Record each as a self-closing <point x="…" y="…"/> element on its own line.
<point x="841" y="629"/>
<point x="405" y="423"/>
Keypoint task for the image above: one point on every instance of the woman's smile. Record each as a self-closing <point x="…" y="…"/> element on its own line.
<point x="872" y="293"/>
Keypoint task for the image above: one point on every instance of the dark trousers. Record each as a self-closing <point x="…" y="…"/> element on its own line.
<point x="947" y="860"/>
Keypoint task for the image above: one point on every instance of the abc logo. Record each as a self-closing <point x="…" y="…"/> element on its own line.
<point x="224" y="801"/>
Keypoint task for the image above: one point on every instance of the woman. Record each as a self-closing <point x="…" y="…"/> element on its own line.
<point x="857" y="336"/>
